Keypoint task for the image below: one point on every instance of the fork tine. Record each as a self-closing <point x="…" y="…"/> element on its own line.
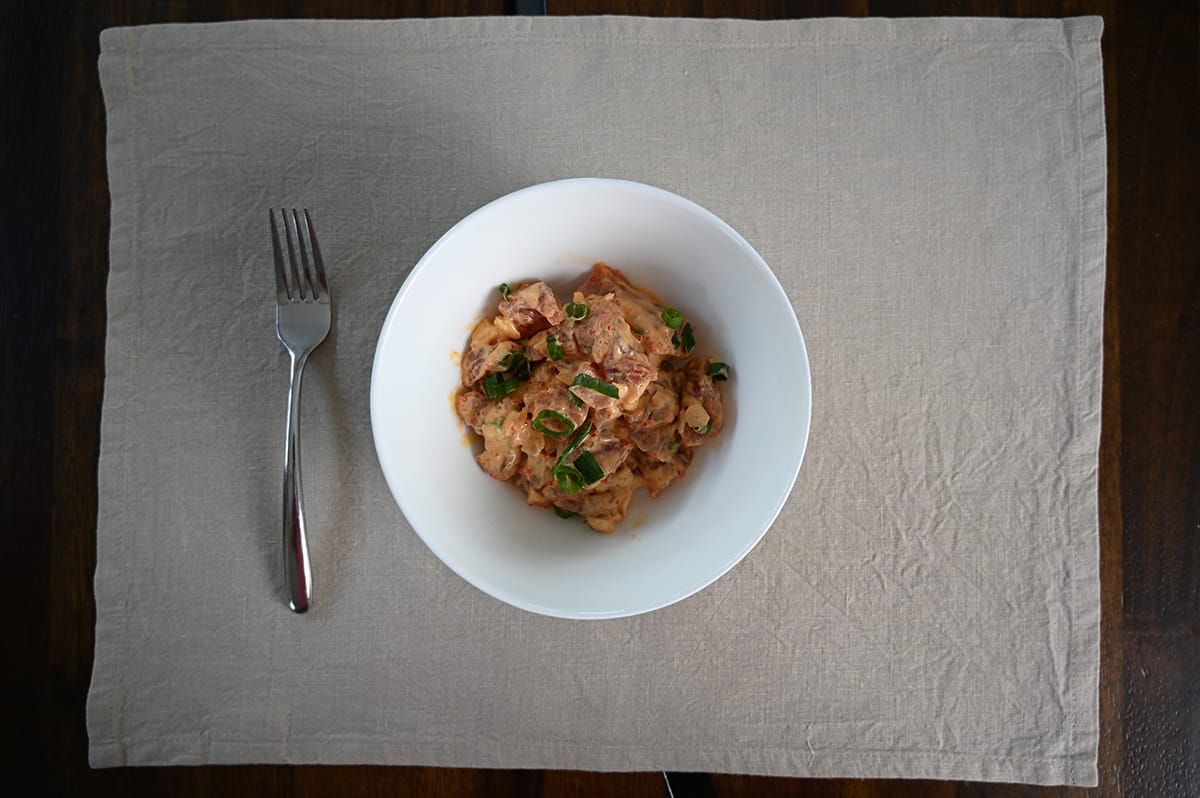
<point x="310" y="286"/>
<point x="291" y="233"/>
<point x="321" y="282"/>
<point x="281" y="282"/>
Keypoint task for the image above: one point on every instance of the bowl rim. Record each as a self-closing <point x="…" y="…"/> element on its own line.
<point x="518" y="195"/>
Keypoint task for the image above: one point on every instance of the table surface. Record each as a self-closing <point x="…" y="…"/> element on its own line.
<point x="53" y="273"/>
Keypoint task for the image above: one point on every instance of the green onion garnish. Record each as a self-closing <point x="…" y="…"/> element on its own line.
<point x="495" y="386"/>
<point x="516" y="364"/>
<point x="674" y="447"/>
<point x="671" y="317"/>
<point x="577" y="311"/>
<point x="573" y="444"/>
<point x="718" y="371"/>
<point x="569" y="480"/>
<point x="707" y="428"/>
<point x="561" y="513"/>
<point x="689" y="340"/>
<point x="563" y="426"/>
<point x="596" y="384"/>
<point x="505" y="291"/>
<point x="554" y="348"/>
<point x="589" y="469"/>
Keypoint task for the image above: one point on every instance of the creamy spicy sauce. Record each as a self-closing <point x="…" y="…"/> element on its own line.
<point x="581" y="403"/>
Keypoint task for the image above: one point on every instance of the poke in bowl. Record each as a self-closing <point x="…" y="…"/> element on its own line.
<point x="590" y="398"/>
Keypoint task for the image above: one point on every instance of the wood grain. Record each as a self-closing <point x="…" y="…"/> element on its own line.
<point x="1158" y="297"/>
<point x="53" y="272"/>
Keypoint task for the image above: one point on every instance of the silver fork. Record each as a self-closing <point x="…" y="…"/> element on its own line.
<point x="302" y="319"/>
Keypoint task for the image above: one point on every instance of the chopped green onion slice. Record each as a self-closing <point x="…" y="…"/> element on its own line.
<point x="674" y="447"/>
<point x="577" y="311"/>
<point x="595" y="384"/>
<point x="561" y="513"/>
<point x="672" y="317"/>
<point x="573" y="444"/>
<point x="689" y="340"/>
<point x="569" y="480"/>
<point x="592" y="383"/>
<point x="563" y="426"/>
<point x="516" y="364"/>
<point x="707" y="428"/>
<point x="505" y="291"/>
<point x="718" y="371"/>
<point x="554" y="348"/>
<point x="675" y="340"/>
<point x="588" y="468"/>
<point x="495" y="386"/>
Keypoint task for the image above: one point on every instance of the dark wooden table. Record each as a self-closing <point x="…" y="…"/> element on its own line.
<point x="53" y="272"/>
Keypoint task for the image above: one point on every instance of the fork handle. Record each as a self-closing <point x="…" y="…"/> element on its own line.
<point x="295" y="531"/>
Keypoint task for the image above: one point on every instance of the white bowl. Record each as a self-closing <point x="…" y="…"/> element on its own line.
<point x="666" y="549"/>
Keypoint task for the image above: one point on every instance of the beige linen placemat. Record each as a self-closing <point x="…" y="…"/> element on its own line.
<point x="930" y="193"/>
